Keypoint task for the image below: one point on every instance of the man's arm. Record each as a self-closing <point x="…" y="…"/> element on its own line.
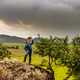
<point x="32" y="42"/>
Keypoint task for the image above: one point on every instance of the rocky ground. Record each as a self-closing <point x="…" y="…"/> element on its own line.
<point x="14" y="70"/>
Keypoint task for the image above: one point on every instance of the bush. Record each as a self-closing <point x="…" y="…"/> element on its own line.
<point x="17" y="47"/>
<point x="13" y="47"/>
<point x="4" y="52"/>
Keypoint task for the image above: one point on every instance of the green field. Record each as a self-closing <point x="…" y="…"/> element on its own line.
<point x="60" y="71"/>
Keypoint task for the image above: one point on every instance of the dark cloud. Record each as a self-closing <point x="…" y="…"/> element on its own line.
<point x="63" y="15"/>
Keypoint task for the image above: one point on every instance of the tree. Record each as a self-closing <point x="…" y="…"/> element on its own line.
<point x="45" y="48"/>
<point x="76" y="40"/>
<point x="54" y="48"/>
<point x="59" y="49"/>
<point x="72" y="58"/>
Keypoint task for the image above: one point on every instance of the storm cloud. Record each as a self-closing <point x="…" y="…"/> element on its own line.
<point x="57" y="16"/>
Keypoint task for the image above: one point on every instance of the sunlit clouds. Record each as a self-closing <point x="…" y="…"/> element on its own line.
<point x="14" y="31"/>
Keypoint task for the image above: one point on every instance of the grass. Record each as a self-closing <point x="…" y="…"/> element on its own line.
<point x="60" y="71"/>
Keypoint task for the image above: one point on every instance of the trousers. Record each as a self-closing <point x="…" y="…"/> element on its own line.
<point x="28" y="54"/>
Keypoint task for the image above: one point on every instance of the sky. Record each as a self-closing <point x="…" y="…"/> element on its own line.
<point x="47" y="17"/>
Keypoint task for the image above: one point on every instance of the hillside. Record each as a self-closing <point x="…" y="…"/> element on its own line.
<point x="11" y="39"/>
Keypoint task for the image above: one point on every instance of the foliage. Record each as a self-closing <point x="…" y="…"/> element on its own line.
<point x="4" y="52"/>
<point x="59" y="49"/>
<point x="76" y="40"/>
<point x="13" y="47"/>
<point x="54" y="48"/>
<point x="72" y="58"/>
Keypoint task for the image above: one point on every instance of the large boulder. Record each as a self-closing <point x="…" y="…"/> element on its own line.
<point x="14" y="70"/>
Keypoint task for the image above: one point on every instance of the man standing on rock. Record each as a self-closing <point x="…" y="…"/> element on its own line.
<point x="28" y="49"/>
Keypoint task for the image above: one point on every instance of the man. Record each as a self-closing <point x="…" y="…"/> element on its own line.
<point x="28" y="49"/>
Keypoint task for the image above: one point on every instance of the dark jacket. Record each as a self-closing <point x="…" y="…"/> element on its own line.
<point x="28" y="47"/>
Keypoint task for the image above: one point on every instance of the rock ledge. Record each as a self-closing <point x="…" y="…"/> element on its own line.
<point x="14" y="70"/>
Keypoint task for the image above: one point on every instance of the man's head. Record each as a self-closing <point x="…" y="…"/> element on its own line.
<point x="29" y="40"/>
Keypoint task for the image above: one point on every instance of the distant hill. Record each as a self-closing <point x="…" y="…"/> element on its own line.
<point x="11" y="39"/>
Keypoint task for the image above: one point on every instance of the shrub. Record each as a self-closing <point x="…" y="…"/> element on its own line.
<point x="4" y="52"/>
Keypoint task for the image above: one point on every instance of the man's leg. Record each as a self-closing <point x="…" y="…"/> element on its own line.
<point x="25" y="57"/>
<point x="30" y="58"/>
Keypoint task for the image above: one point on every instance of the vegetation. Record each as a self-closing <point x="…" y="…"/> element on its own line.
<point x="4" y="52"/>
<point x="56" y="54"/>
<point x="58" y="49"/>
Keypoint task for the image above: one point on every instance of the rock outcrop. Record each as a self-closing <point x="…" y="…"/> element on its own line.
<point x="14" y="70"/>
